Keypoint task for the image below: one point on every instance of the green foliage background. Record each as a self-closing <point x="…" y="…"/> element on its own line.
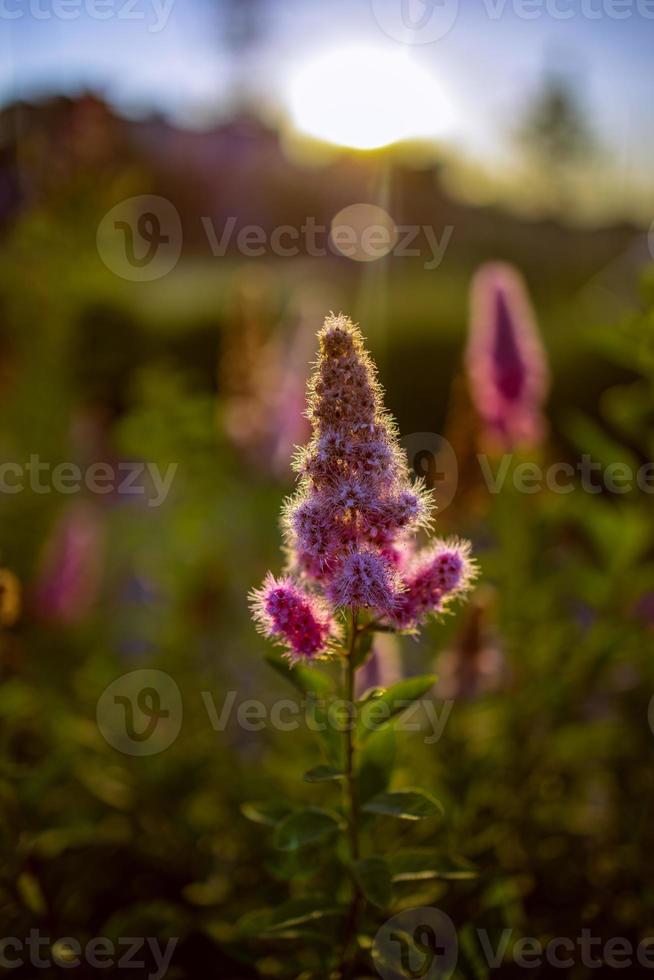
<point x="546" y="781"/>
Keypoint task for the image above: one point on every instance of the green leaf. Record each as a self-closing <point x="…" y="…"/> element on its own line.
<point x="377" y="711"/>
<point x="307" y="680"/>
<point x="407" y="804"/>
<point x="318" y="721"/>
<point x="470" y="955"/>
<point x="591" y="438"/>
<point x="305" y="827"/>
<point x="323" y="774"/>
<point x="269" y="922"/>
<point x="267" y="813"/>
<point x="377" y="758"/>
<point x="296" y="865"/>
<point x="374" y="879"/>
<point x="30" y="892"/>
<point x="363" y="649"/>
<point x="423" y="864"/>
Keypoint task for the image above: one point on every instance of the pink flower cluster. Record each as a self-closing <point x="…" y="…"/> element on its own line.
<point x="432" y="578"/>
<point x="507" y="366"/>
<point x="288" y="613"/>
<point x="350" y="525"/>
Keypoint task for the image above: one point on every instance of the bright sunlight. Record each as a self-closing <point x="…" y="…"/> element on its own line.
<point x="365" y="98"/>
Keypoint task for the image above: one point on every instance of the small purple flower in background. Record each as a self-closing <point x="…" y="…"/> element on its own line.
<point x="505" y="359"/>
<point x="71" y="565"/>
<point x="349" y="526"/>
<point x="262" y="378"/>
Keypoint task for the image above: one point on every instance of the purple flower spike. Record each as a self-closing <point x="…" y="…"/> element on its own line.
<point x="506" y="362"/>
<point x="349" y="526"/>
<point x="354" y="499"/>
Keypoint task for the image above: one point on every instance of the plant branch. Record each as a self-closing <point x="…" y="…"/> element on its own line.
<point x="351" y="790"/>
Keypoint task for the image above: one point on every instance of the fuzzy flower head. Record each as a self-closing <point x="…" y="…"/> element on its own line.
<point x="365" y="580"/>
<point x="286" y="612"/>
<point x="506" y="362"/>
<point x="439" y="574"/>
<point x="355" y="499"/>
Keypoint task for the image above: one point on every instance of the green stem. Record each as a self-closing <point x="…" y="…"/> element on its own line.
<point x="350" y="768"/>
<point x="352" y="802"/>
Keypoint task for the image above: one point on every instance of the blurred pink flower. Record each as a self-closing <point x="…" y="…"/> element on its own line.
<point x="263" y="380"/>
<point x="475" y="663"/>
<point x="70" y="571"/>
<point x="505" y="359"/>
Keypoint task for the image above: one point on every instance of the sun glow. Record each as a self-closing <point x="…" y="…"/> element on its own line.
<point x="365" y="98"/>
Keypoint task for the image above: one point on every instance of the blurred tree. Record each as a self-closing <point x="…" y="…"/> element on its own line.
<point x="555" y="138"/>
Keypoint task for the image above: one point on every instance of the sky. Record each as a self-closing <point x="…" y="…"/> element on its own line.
<point x="487" y="56"/>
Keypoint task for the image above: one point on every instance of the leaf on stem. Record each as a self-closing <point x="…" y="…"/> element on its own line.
<point x="276" y="922"/>
<point x="374" y="879"/>
<point x="407" y="804"/>
<point x="423" y="864"/>
<point x="307" y="680"/>
<point x="305" y="827"/>
<point x="323" y="774"/>
<point x="322" y="721"/>
<point x="377" y="758"/>
<point x="268" y="813"/>
<point x="377" y="711"/>
<point x="363" y="649"/>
